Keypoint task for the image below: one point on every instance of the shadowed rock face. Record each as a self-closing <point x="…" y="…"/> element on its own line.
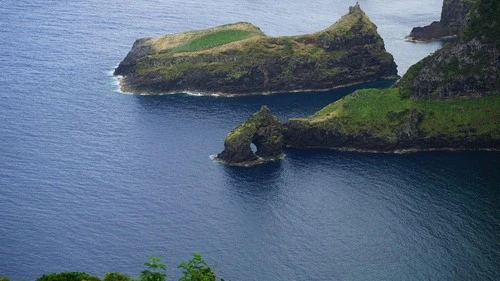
<point x="262" y="129"/>
<point x="468" y="67"/>
<point x="249" y="62"/>
<point x="453" y="16"/>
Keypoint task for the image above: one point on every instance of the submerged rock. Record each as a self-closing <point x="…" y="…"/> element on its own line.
<point x="240" y="59"/>
<point x="262" y="129"/>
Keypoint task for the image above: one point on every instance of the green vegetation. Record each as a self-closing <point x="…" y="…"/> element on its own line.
<point x="195" y="269"/>
<point x="156" y="271"/>
<point x="248" y="128"/>
<point x="484" y="22"/>
<point x="382" y="113"/>
<point x="355" y="19"/>
<point x="214" y="39"/>
<point x="116" y="276"/>
<point x="68" y="276"/>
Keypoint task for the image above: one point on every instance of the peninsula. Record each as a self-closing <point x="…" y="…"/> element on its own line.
<point x="450" y="100"/>
<point x="240" y="59"/>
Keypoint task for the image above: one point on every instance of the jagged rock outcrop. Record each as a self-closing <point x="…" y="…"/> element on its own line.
<point x="240" y="59"/>
<point x="453" y="16"/>
<point x="263" y="129"/>
<point x="469" y="67"/>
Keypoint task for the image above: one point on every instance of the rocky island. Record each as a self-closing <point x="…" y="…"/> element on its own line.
<point x="240" y="59"/>
<point x="453" y="16"/>
<point x="448" y="101"/>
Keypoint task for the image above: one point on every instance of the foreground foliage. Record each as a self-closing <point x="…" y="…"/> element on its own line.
<point x="195" y="269"/>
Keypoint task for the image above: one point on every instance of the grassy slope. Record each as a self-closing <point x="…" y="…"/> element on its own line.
<point x="248" y="128"/>
<point x="199" y="40"/>
<point x="380" y="112"/>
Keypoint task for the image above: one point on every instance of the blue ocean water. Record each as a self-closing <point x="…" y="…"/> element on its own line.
<point x="94" y="180"/>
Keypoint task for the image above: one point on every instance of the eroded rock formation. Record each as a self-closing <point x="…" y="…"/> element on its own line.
<point x="262" y="129"/>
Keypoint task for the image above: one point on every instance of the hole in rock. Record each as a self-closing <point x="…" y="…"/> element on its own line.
<point x="253" y="147"/>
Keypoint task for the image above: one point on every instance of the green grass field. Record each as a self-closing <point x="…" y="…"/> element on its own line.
<point x="381" y="112"/>
<point x="213" y="40"/>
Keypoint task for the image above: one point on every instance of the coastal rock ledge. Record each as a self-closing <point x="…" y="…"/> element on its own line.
<point x="240" y="59"/>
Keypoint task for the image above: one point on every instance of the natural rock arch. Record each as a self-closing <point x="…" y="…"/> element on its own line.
<point x="262" y="129"/>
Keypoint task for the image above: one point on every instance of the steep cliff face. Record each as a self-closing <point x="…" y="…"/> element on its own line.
<point x="262" y="129"/>
<point x="240" y="59"/>
<point x="469" y="67"/>
<point x="453" y="16"/>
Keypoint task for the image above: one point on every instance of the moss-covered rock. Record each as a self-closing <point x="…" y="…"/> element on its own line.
<point x="381" y="120"/>
<point x="263" y="129"/>
<point x="240" y="59"/>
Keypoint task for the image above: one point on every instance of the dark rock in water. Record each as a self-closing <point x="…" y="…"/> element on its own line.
<point x="240" y="59"/>
<point x="453" y="16"/>
<point x="435" y="31"/>
<point x="263" y="129"/>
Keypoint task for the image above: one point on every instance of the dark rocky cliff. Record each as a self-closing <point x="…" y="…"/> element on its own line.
<point x="240" y="59"/>
<point x="468" y="67"/>
<point x="453" y="16"/>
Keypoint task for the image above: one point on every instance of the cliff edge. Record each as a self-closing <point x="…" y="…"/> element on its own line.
<point x="240" y="59"/>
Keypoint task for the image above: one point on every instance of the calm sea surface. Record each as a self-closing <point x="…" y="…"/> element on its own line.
<point x="94" y="180"/>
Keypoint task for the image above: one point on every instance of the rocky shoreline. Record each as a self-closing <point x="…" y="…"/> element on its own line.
<point x="124" y="88"/>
